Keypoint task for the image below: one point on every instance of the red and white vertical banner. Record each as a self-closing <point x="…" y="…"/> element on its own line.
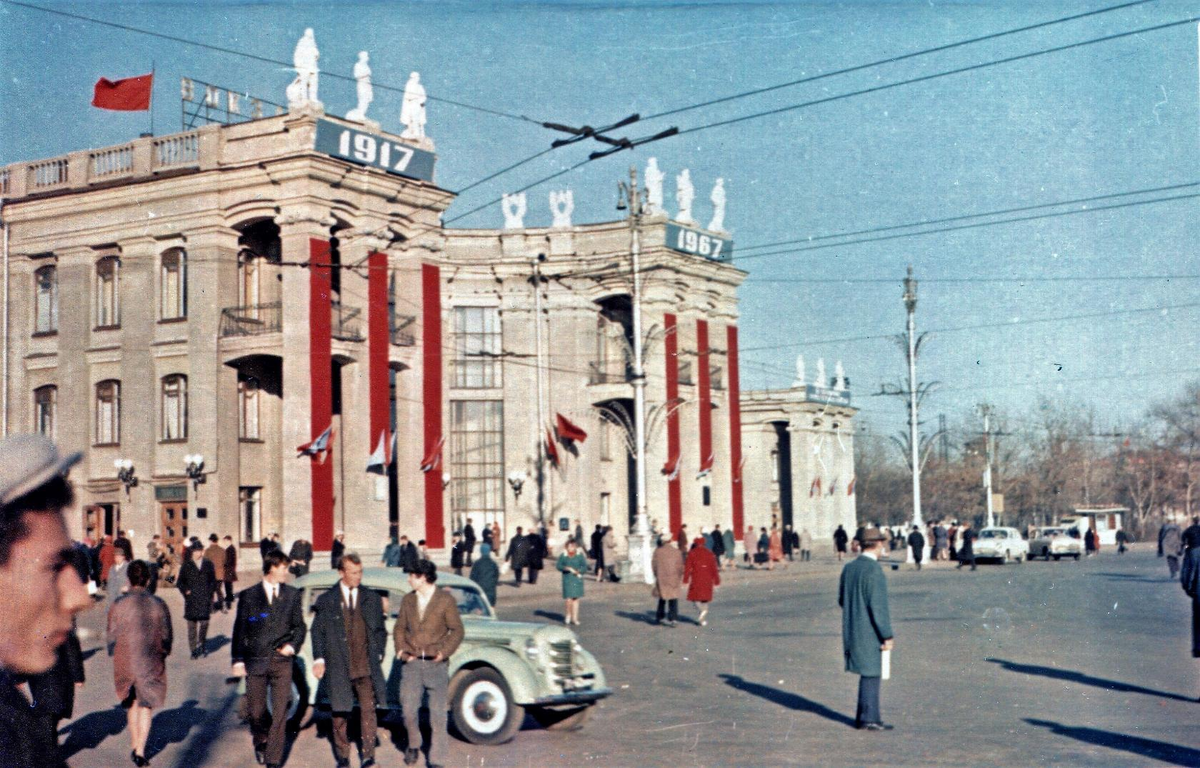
<point x="704" y="381"/>
<point x="431" y="395"/>
<point x="735" y="426"/>
<point x="674" y="491"/>
<point x="378" y="331"/>
<point x="320" y="371"/>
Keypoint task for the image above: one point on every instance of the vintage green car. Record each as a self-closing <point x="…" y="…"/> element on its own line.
<point x="502" y="670"/>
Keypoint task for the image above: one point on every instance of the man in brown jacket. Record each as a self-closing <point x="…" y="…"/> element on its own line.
<point x="667" y="565"/>
<point x="215" y="554"/>
<point x="428" y="631"/>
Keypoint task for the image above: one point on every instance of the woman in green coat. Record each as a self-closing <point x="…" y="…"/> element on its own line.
<point x="573" y="565"/>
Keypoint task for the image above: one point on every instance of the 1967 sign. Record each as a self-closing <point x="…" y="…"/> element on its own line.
<point x="375" y="151"/>
<point x="694" y="241"/>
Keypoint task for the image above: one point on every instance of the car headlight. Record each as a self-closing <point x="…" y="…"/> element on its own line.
<point x="532" y="651"/>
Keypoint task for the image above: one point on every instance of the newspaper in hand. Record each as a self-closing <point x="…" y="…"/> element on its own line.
<point x="886" y="665"/>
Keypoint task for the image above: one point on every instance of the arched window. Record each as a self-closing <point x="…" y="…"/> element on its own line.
<point x="248" y="399"/>
<point x="45" y="286"/>
<point x="173" y="285"/>
<point x="174" y="407"/>
<point x="108" y="412"/>
<point x="108" y="292"/>
<point x="45" y="406"/>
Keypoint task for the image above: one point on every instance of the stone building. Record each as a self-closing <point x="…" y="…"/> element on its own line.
<point x="235" y="322"/>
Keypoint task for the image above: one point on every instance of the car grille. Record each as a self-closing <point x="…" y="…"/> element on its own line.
<point x="561" y="659"/>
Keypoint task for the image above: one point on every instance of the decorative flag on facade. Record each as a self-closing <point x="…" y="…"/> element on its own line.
<point x="317" y="448"/>
<point x="705" y="467"/>
<point x="671" y="468"/>
<point x="567" y="430"/>
<point x="815" y="488"/>
<point x="551" y="448"/>
<point x="132" y="94"/>
<point x="379" y="459"/>
<point x="737" y="476"/>
<point x="434" y="457"/>
<point x="850" y="488"/>
<point x="833" y="486"/>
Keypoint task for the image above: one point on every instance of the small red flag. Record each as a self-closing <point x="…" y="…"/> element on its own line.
<point x="568" y="430"/>
<point x="129" y="95"/>
<point x="551" y="448"/>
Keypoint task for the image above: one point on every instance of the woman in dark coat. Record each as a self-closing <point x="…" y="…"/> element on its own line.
<point x="197" y="581"/>
<point x="535" y="560"/>
<point x="701" y="574"/>
<point x="139" y="641"/>
<point x="486" y="573"/>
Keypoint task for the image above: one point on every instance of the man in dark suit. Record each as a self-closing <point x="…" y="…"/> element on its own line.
<point x="198" y="582"/>
<point x="267" y="632"/>
<point x="336" y="551"/>
<point x="866" y="627"/>
<point x="408" y="554"/>
<point x="468" y="538"/>
<point x="231" y="554"/>
<point x="518" y="554"/>
<point x="348" y="643"/>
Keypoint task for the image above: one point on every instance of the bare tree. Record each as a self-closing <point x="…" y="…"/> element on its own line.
<point x="1181" y="419"/>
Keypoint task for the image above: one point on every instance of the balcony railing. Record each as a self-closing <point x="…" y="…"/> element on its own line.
<point x="48" y="173"/>
<point x="715" y="373"/>
<point x="685" y="373"/>
<point x="112" y="163"/>
<point x="400" y="327"/>
<point x="251" y="320"/>
<point x="345" y="325"/>
<point x="608" y="373"/>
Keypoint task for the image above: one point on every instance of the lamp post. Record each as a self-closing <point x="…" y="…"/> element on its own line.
<point x="516" y="480"/>
<point x="125" y="473"/>
<point x="194" y="466"/>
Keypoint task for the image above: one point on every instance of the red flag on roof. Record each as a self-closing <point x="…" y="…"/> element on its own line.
<point x="567" y="430"/>
<point x="131" y="94"/>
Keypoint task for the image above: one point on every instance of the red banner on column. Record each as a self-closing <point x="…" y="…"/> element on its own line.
<point x="674" y="492"/>
<point x="431" y="357"/>
<point x="735" y="426"/>
<point x="320" y="370"/>
<point x="377" y="357"/>
<point x="705" y="406"/>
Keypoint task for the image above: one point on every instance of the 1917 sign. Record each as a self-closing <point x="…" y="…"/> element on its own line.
<point x="375" y="151"/>
<point x="698" y="243"/>
<point x="827" y="395"/>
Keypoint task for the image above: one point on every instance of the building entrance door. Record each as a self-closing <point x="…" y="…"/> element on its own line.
<point x="174" y="519"/>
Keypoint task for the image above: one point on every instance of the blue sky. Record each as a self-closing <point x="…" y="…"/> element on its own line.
<point x="1107" y="118"/>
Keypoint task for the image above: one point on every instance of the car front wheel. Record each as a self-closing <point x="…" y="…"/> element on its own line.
<point x="482" y="707"/>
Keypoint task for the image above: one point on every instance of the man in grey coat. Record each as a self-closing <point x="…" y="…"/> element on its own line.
<point x="866" y="627"/>
<point x="348" y="643"/>
<point x="1170" y="545"/>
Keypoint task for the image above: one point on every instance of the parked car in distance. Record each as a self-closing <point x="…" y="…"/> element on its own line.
<point x="502" y="670"/>
<point x="1003" y="544"/>
<point x="1054" y="541"/>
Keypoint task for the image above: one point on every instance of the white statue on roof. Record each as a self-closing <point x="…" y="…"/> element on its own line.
<point x="562" y="204"/>
<point x="305" y="59"/>
<point x="514" y="210"/>
<point x="821" y="380"/>
<point x="800" y="380"/>
<point x="654" y="188"/>
<point x="366" y="94"/>
<point x="685" y="193"/>
<point x="718" y="200"/>
<point x="839" y="377"/>
<point x="412" y="111"/>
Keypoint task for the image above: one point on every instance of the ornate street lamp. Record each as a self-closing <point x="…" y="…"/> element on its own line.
<point x="195" y="469"/>
<point x="125" y="473"/>
<point x="516" y="480"/>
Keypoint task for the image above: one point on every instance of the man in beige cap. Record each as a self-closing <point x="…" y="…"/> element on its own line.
<point x="40" y="592"/>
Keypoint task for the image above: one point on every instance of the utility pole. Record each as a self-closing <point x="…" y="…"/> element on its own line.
<point x="987" y="472"/>
<point x="541" y="412"/>
<point x="640" y="546"/>
<point x="910" y="305"/>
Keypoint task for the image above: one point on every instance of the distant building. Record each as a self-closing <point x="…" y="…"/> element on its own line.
<point x="239" y="293"/>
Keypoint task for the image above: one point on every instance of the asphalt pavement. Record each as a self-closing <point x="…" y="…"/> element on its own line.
<point x="1058" y="663"/>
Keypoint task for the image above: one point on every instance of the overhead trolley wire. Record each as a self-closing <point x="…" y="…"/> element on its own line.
<point x="895" y="59"/>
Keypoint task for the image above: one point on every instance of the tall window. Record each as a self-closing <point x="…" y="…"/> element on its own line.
<point x="250" y="504"/>
<point x="108" y="292"/>
<point x="174" y="407"/>
<point x="108" y="413"/>
<point x="45" y="400"/>
<point x="477" y="343"/>
<point x="477" y="460"/>
<point x="248" y="397"/>
<point x="173" y="285"/>
<point x="45" y="282"/>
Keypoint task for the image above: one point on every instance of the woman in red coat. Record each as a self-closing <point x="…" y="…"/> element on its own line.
<point x="700" y="573"/>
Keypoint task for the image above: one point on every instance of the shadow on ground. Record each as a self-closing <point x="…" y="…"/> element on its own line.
<point x="1082" y="679"/>
<point x="786" y="698"/>
<point x="91" y="730"/>
<point x="1149" y="748"/>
